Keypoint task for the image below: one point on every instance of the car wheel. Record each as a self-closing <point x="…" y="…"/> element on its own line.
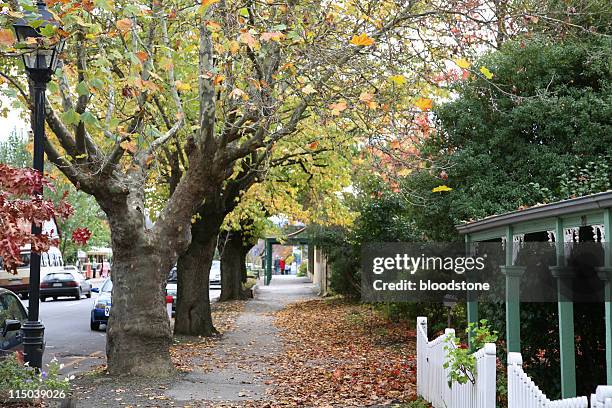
<point x="54" y="297"/>
<point x="95" y="326"/>
<point x="88" y="295"/>
<point x="43" y="299"/>
<point x="78" y="295"/>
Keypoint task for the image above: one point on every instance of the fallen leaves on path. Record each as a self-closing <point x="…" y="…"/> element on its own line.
<point x="341" y="353"/>
<point x="188" y="352"/>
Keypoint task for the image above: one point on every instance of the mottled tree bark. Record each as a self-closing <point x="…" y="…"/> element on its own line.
<point x="233" y="266"/>
<point x="193" y="314"/>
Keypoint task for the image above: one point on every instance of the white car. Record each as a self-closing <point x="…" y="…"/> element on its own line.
<point x="215" y="274"/>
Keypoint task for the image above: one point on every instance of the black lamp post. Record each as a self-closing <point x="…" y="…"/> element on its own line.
<point x="40" y="57"/>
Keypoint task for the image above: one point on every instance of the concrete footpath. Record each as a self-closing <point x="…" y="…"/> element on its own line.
<point x="239" y="368"/>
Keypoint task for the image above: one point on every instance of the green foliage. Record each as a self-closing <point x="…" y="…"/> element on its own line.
<point x="13" y="151"/>
<point x="460" y="359"/>
<point x="302" y="269"/>
<point x="14" y="375"/>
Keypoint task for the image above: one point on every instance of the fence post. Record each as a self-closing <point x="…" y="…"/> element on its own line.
<point x="515" y="360"/>
<point x="487" y="377"/>
<point x="421" y="355"/>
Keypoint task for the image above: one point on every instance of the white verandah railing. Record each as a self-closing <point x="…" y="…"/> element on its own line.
<point x="432" y="377"/>
<point x="523" y="393"/>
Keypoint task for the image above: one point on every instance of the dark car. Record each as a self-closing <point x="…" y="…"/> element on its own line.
<point x="171" y="284"/>
<point x="12" y="315"/>
<point x="102" y="305"/>
<point x="65" y="283"/>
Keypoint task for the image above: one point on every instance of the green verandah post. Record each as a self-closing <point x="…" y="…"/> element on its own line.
<point x="268" y="275"/>
<point x="472" y="306"/>
<point x="605" y="274"/>
<point x="513" y="275"/>
<point x="566" y="317"/>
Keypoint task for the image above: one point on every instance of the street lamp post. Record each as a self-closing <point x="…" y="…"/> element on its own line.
<point x="40" y="57"/>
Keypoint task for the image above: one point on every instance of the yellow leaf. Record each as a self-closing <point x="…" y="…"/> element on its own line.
<point x="485" y="71"/>
<point x="395" y="144"/>
<point x="208" y="3"/>
<point x="362" y="40"/>
<point x="441" y="189"/>
<point x="234" y="46"/>
<point x="181" y="86"/>
<point x="424" y="104"/>
<point x="404" y="171"/>
<point x="308" y="89"/>
<point x="463" y="63"/>
<point x="124" y="25"/>
<point x="239" y="93"/>
<point x="398" y="79"/>
<point x="6" y="37"/>
<point x="366" y="97"/>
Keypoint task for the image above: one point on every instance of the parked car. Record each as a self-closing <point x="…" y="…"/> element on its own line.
<point x="65" y="283"/>
<point x="215" y="274"/>
<point x="171" y="285"/>
<point x="12" y="315"/>
<point x="101" y="305"/>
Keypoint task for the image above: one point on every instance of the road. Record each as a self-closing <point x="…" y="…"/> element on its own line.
<point x="68" y="336"/>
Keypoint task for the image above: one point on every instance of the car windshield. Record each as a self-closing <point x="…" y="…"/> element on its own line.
<point x="64" y="277"/>
<point x="107" y="287"/>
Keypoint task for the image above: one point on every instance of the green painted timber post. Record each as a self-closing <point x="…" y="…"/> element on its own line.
<point x="472" y="306"/>
<point x="605" y="274"/>
<point x="566" y="317"/>
<point x="268" y="275"/>
<point x="513" y="275"/>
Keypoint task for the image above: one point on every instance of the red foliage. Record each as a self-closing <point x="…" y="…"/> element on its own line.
<point x="18" y="209"/>
<point x="81" y="236"/>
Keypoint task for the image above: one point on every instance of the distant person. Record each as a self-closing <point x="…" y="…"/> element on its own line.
<point x="282" y="265"/>
<point x="276" y="265"/>
<point x="287" y="268"/>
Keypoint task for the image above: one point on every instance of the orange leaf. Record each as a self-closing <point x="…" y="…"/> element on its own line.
<point x="128" y="146"/>
<point x="208" y="3"/>
<point x="124" y="25"/>
<point x="336" y="108"/>
<point x="275" y="36"/>
<point x="362" y="40"/>
<point x="142" y="56"/>
<point x="6" y="37"/>
<point x="424" y="104"/>
<point x="313" y="145"/>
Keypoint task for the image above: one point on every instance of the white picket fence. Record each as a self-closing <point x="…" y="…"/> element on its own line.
<point x="523" y="393"/>
<point x="432" y="377"/>
<point x="602" y="397"/>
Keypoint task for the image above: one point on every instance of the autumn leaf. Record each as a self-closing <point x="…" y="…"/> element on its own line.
<point x="181" y="86"/>
<point x="395" y="144"/>
<point x="128" y="146"/>
<point x="213" y="26"/>
<point x="398" y="79"/>
<point x="218" y="79"/>
<point x="313" y="145"/>
<point x="441" y="189"/>
<point x="239" y="93"/>
<point x="124" y="25"/>
<point x="404" y="171"/>
<point x="234" y="46"/>
<point x="485" y="71"/>
<point x="463" y="63"/>
<point x="308" y="89"/>
<point x="248" y="39"/>
<point x="275" y="36"/>
<point x="362" y="40"/>
<point x="424" y="104"/>
<point x="337" y="108"/>
<point x="6" y="37"/>
<point x="142" y="56"/>
<point x="208" y="3"/>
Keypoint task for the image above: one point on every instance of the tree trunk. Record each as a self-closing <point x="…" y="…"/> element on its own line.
<point x="193" y="315"/>
<point x="138" y="334"/>
<point x="233" y="266"/>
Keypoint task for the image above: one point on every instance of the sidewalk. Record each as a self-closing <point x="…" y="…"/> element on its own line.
<point x="231" y="371"/>
<point x="239" y="359"/>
